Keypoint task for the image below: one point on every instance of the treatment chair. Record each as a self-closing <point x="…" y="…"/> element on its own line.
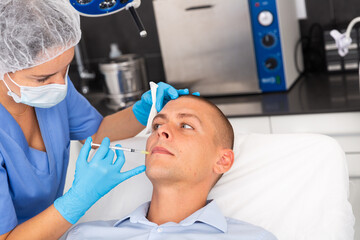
<point x="294" y="185"/>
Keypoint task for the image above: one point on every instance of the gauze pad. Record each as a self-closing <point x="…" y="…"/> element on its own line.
<point x="153" y="112"/>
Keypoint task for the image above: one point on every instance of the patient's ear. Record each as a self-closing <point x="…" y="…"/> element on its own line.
<point x="224" y="162"/>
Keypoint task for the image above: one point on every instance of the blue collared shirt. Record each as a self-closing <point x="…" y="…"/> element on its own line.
<point x="207" y="223"/>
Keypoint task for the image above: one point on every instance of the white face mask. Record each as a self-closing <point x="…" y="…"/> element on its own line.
<point x="42" y="97"/>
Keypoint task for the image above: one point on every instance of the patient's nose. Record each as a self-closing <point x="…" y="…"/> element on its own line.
<point x="164" y="132"/>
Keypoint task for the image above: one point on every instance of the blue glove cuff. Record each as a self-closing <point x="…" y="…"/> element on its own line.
<point x="71" y="206"/>
<point x="141" y="114"/>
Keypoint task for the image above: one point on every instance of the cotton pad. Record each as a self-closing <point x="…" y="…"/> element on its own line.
<point x="153" y="112"/>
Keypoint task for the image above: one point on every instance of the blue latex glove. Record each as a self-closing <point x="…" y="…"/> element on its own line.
<point x="164" y="94"/>
<point x="93" y="180"/>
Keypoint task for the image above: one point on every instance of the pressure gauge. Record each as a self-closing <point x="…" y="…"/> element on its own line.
<point x="265" y="18"/>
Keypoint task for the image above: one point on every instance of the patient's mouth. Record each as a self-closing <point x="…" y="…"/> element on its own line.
<point x="161" y="150"/>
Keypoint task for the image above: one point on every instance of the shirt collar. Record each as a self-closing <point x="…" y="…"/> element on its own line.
<point x="210" y="215"/>
<point x="137" y="216"/>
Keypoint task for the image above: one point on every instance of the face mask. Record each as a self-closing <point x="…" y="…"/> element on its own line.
<point x="42" y="97"/>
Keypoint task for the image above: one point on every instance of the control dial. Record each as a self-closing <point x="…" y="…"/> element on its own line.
<point x="268" y="40"/>
<point x="271" y="63"/>
<point x="265" y="18"/>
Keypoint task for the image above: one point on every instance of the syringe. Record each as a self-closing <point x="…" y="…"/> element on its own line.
<point x="122" y="148"/>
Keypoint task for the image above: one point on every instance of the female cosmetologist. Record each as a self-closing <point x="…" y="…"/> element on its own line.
<point x="40" y="112"/>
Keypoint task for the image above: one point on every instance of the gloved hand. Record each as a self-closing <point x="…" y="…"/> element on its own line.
<point x="93" y="180"/>
<point x="164" y="94"/>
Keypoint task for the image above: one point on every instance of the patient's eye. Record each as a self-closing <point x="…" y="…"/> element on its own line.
<point x="187" y="126"/>
<point x="156" y="126"/>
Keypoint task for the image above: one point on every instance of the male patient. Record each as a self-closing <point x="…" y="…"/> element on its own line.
<point x="190" y="148"/>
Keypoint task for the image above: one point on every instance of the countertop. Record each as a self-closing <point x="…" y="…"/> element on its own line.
<point x="312" y="93"/>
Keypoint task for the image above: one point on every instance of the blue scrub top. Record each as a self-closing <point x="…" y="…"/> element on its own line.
<point x="30" y="180"/>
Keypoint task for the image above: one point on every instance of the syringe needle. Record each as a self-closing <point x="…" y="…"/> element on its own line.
<point x="122" y="148"/>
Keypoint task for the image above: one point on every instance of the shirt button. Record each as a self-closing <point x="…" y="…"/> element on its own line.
<point x="159" y="230"/>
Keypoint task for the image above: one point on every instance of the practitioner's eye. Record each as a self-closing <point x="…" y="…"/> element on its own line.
<point x="42" y="80"/>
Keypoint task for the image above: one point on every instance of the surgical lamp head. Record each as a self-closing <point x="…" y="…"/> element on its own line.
<point x="98" y="8"/>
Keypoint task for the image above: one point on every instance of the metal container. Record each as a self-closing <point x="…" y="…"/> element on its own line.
<point x="125" y="79"/>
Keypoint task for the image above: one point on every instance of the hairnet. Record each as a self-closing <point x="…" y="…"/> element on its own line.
<point x="33" y="32"/>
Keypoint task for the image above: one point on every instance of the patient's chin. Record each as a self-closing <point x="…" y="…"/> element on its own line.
<point x="160" y="166"/>
<point x="154" y="175"/>
<point x="160" y="174"/>
<point x="159" y="159"/>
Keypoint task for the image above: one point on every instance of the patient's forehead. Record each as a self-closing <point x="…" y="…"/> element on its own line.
<point x="189" y="105"/>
